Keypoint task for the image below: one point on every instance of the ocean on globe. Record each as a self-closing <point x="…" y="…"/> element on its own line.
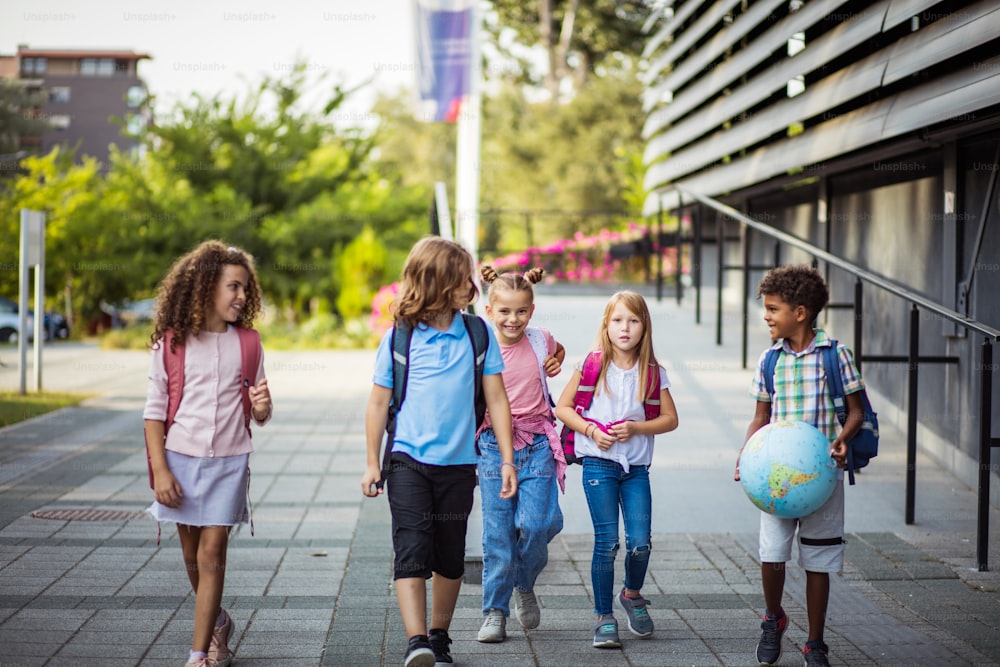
<point x="786" y="469"/>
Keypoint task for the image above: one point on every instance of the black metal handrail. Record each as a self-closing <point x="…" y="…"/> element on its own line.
<point x="861" y="275"/>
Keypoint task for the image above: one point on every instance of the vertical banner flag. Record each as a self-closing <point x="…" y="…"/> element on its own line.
<point x="443" y="54"/>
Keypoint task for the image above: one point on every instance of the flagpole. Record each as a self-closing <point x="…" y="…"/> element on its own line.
<point x="467" y="158"/>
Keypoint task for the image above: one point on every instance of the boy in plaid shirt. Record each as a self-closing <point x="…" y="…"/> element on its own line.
<point x="793" y="297"/>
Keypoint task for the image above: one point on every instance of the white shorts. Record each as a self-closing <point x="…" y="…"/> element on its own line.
<point x="821" y="536"/>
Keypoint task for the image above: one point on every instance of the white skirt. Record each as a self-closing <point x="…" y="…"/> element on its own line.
<point x="216" y="491"/>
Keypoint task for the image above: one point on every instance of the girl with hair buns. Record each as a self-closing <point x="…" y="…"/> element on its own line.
<point x="517" y="530"/>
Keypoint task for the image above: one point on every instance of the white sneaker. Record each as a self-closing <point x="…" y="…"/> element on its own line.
<point x="526" y="608"/>
<point x="494" y="628"/>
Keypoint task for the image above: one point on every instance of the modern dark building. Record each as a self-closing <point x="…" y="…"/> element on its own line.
<point x="872" y="130"/>
<point x="85" y="89"/>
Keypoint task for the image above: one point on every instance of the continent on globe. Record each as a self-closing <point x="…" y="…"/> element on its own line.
<point x="786" y="469"/>
<point x="783" y="478"/>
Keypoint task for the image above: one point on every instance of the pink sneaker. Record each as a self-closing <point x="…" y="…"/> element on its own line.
<point x="201" y="662"/>
<point x="219" y="654"/>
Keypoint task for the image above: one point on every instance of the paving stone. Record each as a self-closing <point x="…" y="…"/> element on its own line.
<point x="99" y="586"/>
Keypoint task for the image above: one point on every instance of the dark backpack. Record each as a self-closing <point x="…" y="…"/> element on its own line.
<point x="864" y="445"/>
<point x="399" y="343"/>
<point x="589" y="374"/>
<point x="173" y="361"/>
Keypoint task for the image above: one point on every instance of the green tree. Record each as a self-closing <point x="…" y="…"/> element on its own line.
<point x="17" y="119"/>
<point x="582" y="156"/>
<point x="276" y="178"/>
<point x="82" y="261"/>
<point x="268" y="174"/>
<point x="579" y="37"/>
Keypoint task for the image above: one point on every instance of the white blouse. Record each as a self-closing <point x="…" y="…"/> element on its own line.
<point x="620" y="402"/>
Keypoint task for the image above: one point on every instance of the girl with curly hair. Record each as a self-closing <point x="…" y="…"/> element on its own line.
<point x="199" y="460"/>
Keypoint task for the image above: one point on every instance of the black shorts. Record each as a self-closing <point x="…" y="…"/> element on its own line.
<point x="430" y="508"/>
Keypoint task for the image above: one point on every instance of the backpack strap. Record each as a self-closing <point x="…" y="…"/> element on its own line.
<point x="589" y="375"/>
<point x="537" y="340"/>
<point x="480" y="339"/>
<point x="835" y="385"/>
<point x="399" y="344"/>
<point x="831" y="363"/>
<point x="651" y="405"/>
<point x="249" y="362"/>
<point x="173" y="362"/>
<point x="767" y="371"/>
<point x="399" y="347"/>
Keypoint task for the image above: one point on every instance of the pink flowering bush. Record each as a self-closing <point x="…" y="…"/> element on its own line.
<point x="582" y="258"/>
<point x="587" y="258"/>
<point x="381" y="318"/>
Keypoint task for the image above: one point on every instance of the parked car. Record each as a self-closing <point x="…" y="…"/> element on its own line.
<point x="9" y="321"/>
<point x="55" y="324"/>
<point x="137" y="312"/>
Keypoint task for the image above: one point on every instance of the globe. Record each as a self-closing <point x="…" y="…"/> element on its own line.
<point x="786" y="469"/>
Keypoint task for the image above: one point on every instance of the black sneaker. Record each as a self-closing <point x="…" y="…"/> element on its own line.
<point x="419" y="653"/>
<point x="769" y="646"/>
<point x="440" y="641"/>
<point x="815" y="654"/>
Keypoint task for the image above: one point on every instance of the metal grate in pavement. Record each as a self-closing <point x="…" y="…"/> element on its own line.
<point x="86" y="515"/>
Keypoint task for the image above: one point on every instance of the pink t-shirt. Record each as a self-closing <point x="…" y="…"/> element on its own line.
<point x="522" y="377"/>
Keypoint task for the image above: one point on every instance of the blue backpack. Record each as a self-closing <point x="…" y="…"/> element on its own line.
<point x="864" y="445"/>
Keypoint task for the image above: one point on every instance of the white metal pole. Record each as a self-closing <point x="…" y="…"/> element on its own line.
<point x="468" y="146"/>
<point x="443" y="213"/>
<point x="39" y="298"/>
<point x="22" y="300"/>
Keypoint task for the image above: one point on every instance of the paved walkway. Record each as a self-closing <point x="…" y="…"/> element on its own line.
<point x="313" y="586"/>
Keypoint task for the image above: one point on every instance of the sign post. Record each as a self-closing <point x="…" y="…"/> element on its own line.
<point x="32" y="255"/>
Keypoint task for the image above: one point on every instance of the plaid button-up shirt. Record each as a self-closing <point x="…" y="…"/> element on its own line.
<point x="800" y="390"/>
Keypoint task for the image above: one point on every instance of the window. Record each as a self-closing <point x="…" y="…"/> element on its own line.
<point x="35" y="66"/>
<point x="795" y="86"/>
<point x="135" y="96"/>
<point x="59" y="94"/>
<point x="134" y="124"/>
<point x="59" y="121"/>
<point x="97" y="66"/>
<point x="796" y="43"/>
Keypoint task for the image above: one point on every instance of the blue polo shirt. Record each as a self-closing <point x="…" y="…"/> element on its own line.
<point x="437" y="423"/>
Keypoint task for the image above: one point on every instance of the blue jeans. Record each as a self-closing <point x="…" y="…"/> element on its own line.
<point x="607" y="488"/>
<point x="516" y="531"/>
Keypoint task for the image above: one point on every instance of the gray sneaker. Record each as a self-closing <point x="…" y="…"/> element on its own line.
<point x="526" y="608"/>
<point x="494" y="628"/>
<point x="606" y="633"/>
<point x="636" y="616"/>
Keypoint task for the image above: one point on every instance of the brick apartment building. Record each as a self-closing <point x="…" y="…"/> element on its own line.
<point x="84" y="90"/>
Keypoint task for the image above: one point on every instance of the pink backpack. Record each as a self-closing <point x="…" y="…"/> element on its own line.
<point x="585" y="395"/>
<point x="174" y="363"/>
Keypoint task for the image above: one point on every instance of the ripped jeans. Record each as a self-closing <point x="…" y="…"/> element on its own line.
<point x="607" y="488"/>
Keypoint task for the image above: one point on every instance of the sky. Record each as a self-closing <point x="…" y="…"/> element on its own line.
<point x="223" y="46"/>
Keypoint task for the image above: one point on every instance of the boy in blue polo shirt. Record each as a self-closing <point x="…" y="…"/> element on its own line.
<point x="432" y="471"/>
<point x="793" y="297"/>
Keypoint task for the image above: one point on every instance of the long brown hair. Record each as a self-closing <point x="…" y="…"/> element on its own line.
<point x="186" y="293"/>
<point x="437" y="272"/>
<point x="646" y="360"/>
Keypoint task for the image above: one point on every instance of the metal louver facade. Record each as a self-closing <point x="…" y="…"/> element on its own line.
<point x="720" y="118"/>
